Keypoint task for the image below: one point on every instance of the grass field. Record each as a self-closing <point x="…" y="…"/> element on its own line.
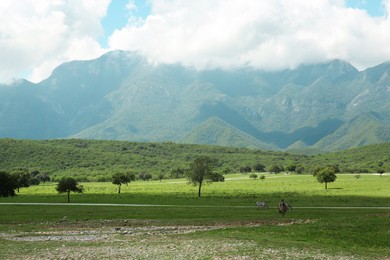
<point x="223" y="223"/>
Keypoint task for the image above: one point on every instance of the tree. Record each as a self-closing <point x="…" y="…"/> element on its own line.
<point x="381" y="171"/>
<point x="291" y="167"/>
<point x="145" y="176"/>
<point x="262" y="177"/>
<point x="177" y="173"/>
<point x="216" y="177"/>
<point x="275" y="169"/>
<point x="68" y="184"/>
<point x="299" y="169"/>
<point x="334" y="168"/>
<point x="38" y="177"/>
<point x="245" y="169"/>
<point x="226" y="170"/>
<point x="120" y="178"/>
<point x="325" y="175"/>
<point x="160" y="176"/>
<point x="8" y="184"/>
<point x="22" y="177"/>
<point x="253" y="176"/>
<point x="44" y="177"/>
<point x="259" y="167"/>
<point x="201" y="170"/>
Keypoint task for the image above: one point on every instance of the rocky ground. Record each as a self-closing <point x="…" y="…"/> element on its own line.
<point x="141" y="240"/>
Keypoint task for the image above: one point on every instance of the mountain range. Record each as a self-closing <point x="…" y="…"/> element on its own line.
<point x="121" y="96"/>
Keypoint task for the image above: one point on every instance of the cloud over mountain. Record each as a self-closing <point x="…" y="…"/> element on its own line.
<point x="37" y="36"/>
<point x="264" y="34"/>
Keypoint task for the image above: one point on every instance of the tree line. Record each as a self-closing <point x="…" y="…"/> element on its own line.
<point x="200" y="171"/>
<point x="90" y="160"/>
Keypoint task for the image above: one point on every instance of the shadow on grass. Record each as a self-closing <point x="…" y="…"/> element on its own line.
<point x="296" y="199"/>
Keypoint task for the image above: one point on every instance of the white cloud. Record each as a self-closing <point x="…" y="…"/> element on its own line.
<point x="131" y="6"/>
<point x="37" y="35"/>
<point x="267" y="34"/>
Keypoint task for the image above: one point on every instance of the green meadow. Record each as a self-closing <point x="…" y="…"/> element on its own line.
<point x="351" y="219"/>
<point x="237" y="190"/>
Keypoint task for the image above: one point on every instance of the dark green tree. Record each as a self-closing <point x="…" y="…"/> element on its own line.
<point x="259" y="167"/>
<point x="291" y="167"/>
<point x="43" y="177"/>
<point x="8" y="184"/>
<point x="326" y="175"/>
<point x="22" y="177"/>
<point x="177" y="173"/>
<point x="120" y="178"/>
<point x="299" y="169"/>
<point x="160" y="176"/>
<point x="334" y="168"/>
<point x="201" y="171"/>
<point x="381" y="171"/>
<point x="245" y="169"/>
<point x="145" y="176"/>
<point x="275" y="168"/>
<point x="68" y="184"/>
<point x="226" y="170"/>
<point x="216" y="177"/>
<point x="253" y="176"/>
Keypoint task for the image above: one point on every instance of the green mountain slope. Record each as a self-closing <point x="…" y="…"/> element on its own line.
<point x="217" y="132"/>
<point x="120" y="96"/>
<point x="362" y="130"/>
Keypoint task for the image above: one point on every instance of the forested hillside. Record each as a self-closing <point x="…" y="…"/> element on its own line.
<point x="91" y="160"/>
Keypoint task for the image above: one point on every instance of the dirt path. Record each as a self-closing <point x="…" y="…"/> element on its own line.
<point x="176" y="206"/>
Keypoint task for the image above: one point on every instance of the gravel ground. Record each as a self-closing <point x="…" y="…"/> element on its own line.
<point x="135" y="240"/>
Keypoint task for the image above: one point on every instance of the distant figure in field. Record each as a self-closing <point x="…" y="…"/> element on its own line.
<point x="288" y="204"/>
<point x="261" y="204"/>
<point x="282" y="207"/>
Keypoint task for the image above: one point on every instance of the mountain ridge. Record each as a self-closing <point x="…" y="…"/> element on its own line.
<point x="120" y="96"/>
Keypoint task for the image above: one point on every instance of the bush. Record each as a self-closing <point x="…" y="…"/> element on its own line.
<point x="275" y="168"/>
<point x="216" y="177"/>
<point x="259" y="167"/>
<point x="177" y="173"/>
<point x="245" y="169"/>
<point x="145" y="176"/>
<point x="8" y="184"/>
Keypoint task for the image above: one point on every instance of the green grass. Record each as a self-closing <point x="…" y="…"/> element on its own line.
<point x="238" y="190"/>
<point x="362" y="232"/>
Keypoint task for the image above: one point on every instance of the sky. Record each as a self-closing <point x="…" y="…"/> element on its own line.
<point x="38" y="35"/>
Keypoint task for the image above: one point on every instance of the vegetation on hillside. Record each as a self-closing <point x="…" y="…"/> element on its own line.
<point x="121" y="96"/>
<point x="92" y="160"/>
